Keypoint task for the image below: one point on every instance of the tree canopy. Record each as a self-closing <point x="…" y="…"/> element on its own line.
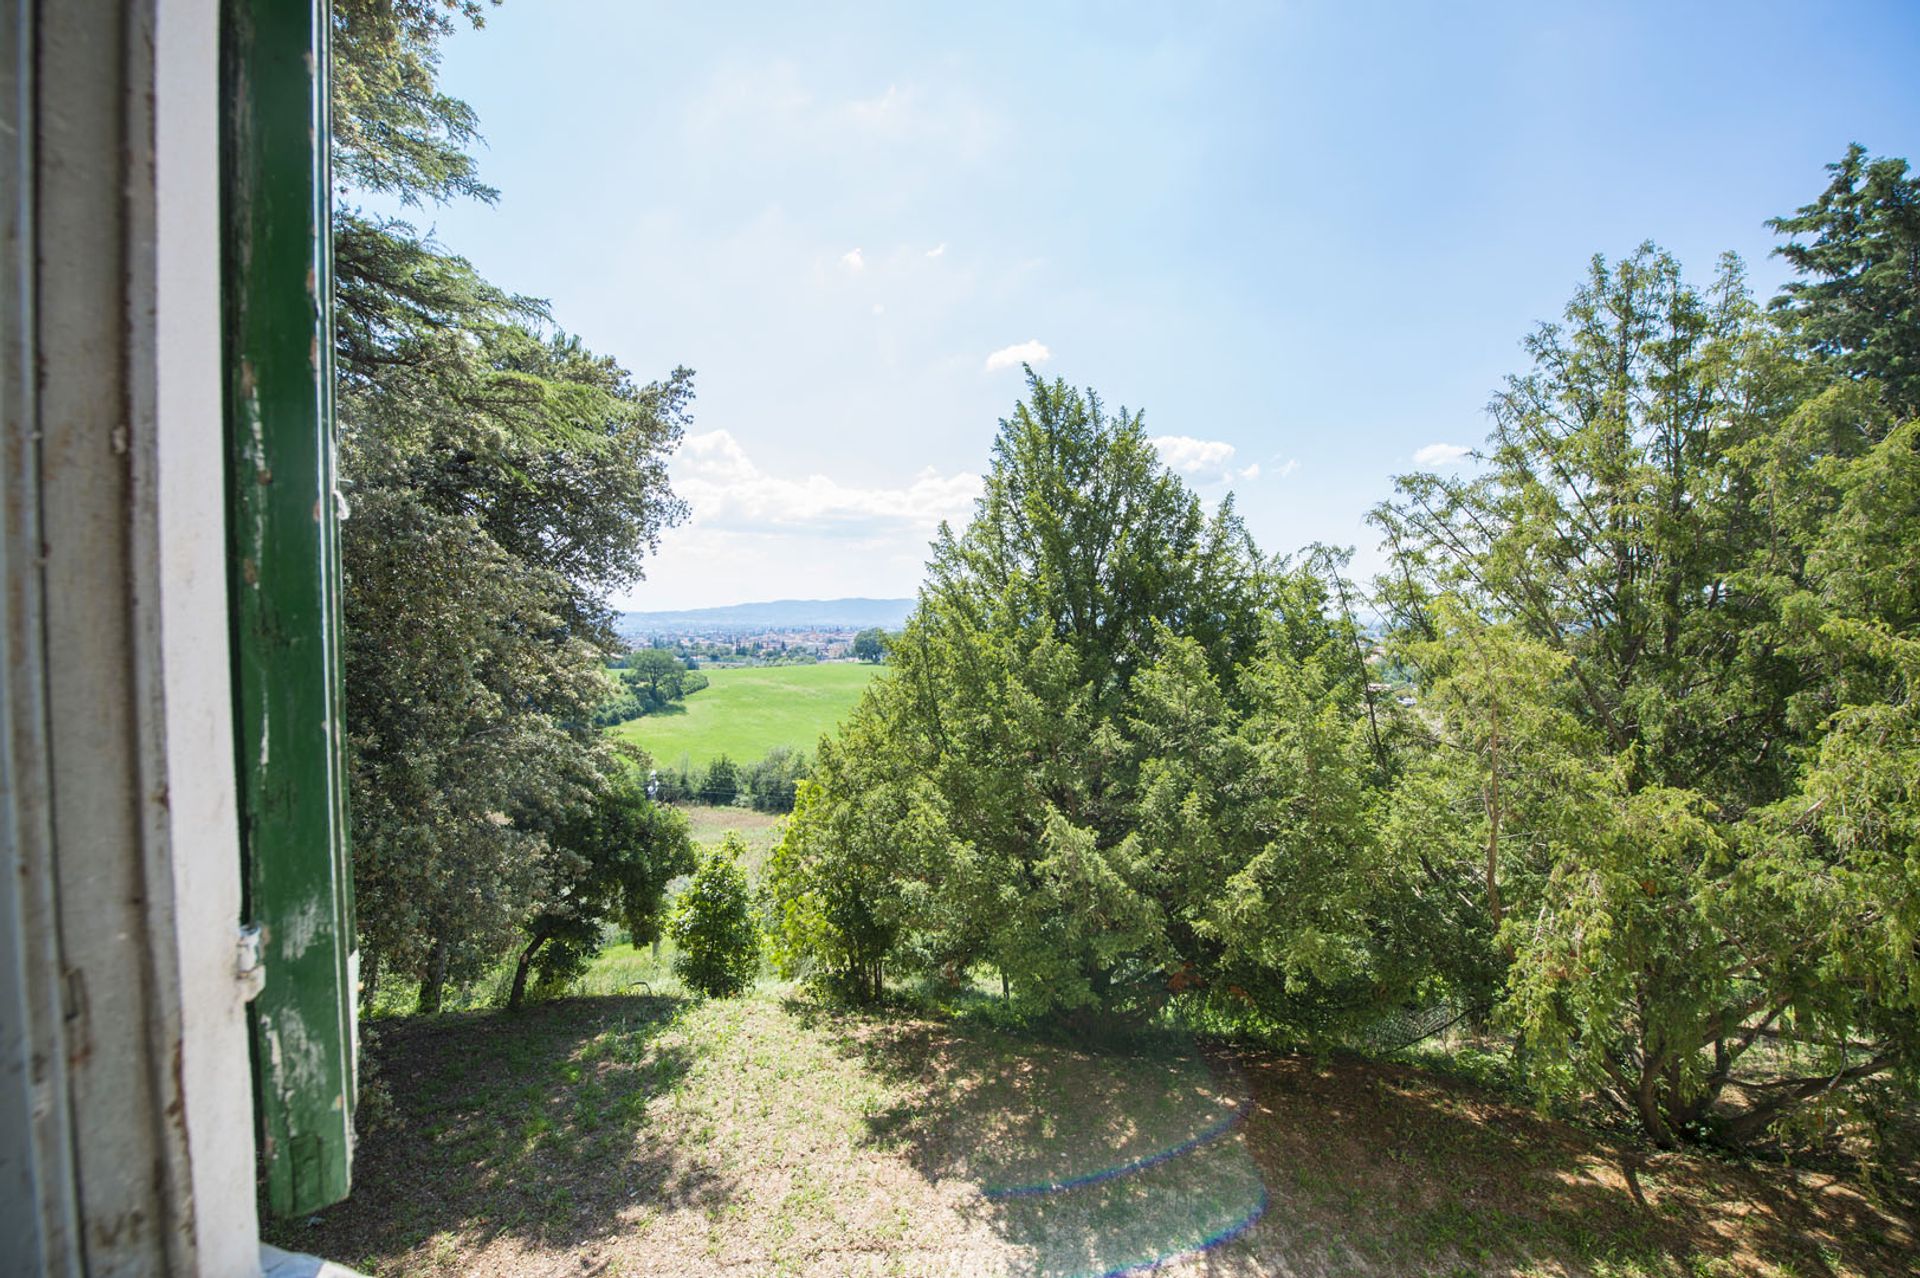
<point x="1857" y="249"/>
<point x="1618" y="754"/>
<point x="1625" y="767"/>
<point x="503" y="479"/>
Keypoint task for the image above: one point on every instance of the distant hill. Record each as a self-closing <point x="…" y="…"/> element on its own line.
<point x="777" y="614"/>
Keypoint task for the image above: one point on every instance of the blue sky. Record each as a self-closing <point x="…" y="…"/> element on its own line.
<point x="1306" y="239"/>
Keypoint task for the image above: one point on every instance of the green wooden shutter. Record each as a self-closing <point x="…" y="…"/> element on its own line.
<point x="284" y="564"/>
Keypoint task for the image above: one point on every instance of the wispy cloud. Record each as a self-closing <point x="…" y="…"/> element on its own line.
<point x="853" y="260"/>
<point x="1190" y="456"/>
<point x="1440" y="455"/>
<point x="938" y="250"/>
<point x="775" y="106"/>
<point x="1287" y="467"/>
<point x="1027" y="352"/>
<point x="1206" y="461"/>
<point x="756" y="535"/>
<point x="725" y="489"/>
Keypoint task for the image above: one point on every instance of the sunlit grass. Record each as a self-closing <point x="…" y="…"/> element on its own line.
<point x="643" y="1132"/>
<point x="746" y="711"/>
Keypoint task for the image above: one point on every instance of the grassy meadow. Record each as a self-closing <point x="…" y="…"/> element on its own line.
<point x="708" y="824"/>
<point x="746" y="711"/>
<point x="643" y="1133"/>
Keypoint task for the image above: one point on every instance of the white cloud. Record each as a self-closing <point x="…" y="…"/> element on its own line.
<point x="1027" y="352"/>
<point x="1206" y="461"/>
<point x="1288" y="467"/>
<point x="726" y="490"/>
<point x="888" y="113"/>
<point x="1440" y="455"/>
<point x="938" y="250"/>
<point x="1190" y="456"/>
<point x="853" y="261"/>
<point x="757" y="535"/>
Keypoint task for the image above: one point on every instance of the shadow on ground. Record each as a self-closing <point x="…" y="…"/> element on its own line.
<point x="1394" y="1166"/>
<point x="510" y="1124"/>
<point x="1095" y="1157"/>
<point x="1343" y="1166"/>
<point x="633" y="1137"/>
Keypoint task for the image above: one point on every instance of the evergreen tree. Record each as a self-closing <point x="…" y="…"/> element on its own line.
<point x="980" y="808"/>
<point x="1631" y="632"/>
<point x="715" y="934"/>
<point x="1857" y="249"/>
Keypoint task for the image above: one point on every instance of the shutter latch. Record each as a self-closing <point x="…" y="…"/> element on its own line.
<point x="248" y="968"/>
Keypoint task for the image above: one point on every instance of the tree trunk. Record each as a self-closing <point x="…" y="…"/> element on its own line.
<point x="1646" y="1099"/>
<point x="518" y="994"/>
<point x="1786" y="1093"/>
<point x="433" y="982"/>
<point x="1493" y="825"/>
<point x="369" y="977"/>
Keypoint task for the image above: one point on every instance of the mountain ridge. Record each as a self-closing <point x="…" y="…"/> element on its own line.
<point x="853" y="612"/>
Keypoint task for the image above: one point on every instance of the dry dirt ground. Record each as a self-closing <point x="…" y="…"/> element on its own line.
<point x="765" y="1135"/>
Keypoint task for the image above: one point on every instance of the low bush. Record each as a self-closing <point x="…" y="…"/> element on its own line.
<point x="713" y="928"/>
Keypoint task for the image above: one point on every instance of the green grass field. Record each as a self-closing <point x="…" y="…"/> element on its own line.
<point x="643" y="1134"/>
<point x="746" y="711"/>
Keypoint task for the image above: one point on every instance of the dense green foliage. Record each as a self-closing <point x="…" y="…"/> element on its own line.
<point x="720" y="783"/>
<point x="646" y="683"/>
<point x="772" y="784"/>
<point x="1643" y="795"/>
<point x="715" y="934"/>
<point x="1856" y="303"/>
<point x="615" y="855"/>
<point x="1640" y="585"/>
<point x="1626" y="764"/>
<point x="503" y="480"/>
<point x="989" y="789"/>
<point x="769" y="785"/>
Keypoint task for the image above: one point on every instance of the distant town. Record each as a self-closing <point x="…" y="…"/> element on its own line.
<point x="783" y="631"/>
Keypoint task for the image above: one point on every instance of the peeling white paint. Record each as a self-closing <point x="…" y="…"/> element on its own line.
<point x="304" y="927"/>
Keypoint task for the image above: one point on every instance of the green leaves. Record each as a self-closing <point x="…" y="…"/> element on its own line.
<point x="1115" y="745"/>
<point x="1857" y="248"/>
<point x="1658" y="645"/>
<point x="715" y="934"/>
<point x="393" y="130"/>
<point x="503" y="480"/>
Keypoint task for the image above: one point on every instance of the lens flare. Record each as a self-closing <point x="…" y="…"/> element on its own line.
<point x="1206" y="1137"/>
<point x="1142" y="1218"/>
<point x="1219" y="1238"/>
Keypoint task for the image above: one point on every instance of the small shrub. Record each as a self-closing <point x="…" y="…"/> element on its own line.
<point x="713" y="927"/>
<point x="720" y="785"/>
<point x="771" y="783"/>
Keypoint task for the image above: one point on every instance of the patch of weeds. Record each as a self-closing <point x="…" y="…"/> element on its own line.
<point x="1491" y="1071"/>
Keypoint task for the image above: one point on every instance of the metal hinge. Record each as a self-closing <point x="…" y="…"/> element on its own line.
<point x="248" y="968"/>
